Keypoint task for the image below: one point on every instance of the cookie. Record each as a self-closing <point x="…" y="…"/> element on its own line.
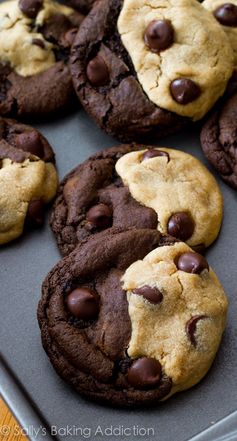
<point x="131" y="186"/>
<point x="28" y="178"/>
<point x="130" y="318"/>
<point x="137" y="69"/>
<point x="83" y="6"/>
<point x="35" y="41"/>
<point x="219" y="140"/>
<point x="226" y="14"/>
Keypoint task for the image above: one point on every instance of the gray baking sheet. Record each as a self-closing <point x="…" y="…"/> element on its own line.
<point x="28" y="382"/>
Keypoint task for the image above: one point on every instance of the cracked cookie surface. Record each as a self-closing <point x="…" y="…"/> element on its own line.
<point x="100" y="303"/>
<point x="132" y="186"/>
<point x="198" y="52"/>
<point x="184" y="329"/>
<point x="92" y="198"/>
<point x="34" y="48"/>
<point x="226" y="14"/>
<point x="106" y="83"/>
<point x="134" y="85"/>
<point x="28" y="178"/>
<point x="175" y="182"/>
<point x="219" y="140"/>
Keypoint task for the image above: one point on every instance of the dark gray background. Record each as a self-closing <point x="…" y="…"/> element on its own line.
<point x="25" y="263"/>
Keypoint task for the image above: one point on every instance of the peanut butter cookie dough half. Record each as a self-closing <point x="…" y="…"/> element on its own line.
<point x="226" y="14"/>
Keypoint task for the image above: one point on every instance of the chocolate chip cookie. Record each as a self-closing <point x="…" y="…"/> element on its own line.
<point x="219" y="140"/>
<point x="226" y="14"/>
<point x="141" y="69"/>
<point x="35" y="41"/>
<point x="140" y="187"/>
<point x="130" y="318"/>
<point x="28" y="178"/>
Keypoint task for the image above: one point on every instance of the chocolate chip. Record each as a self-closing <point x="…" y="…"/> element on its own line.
<point x="184" y="91"/>
<point x="99" y="216"/>
<point x="153" y="295"/>
<point x="191" y="327"/>
<point x="38" y="42"/>
<point x="181" y="226"/>
<point x="35" y="213"/>
<point x="30" y="142"/>
<point x="193" y="263"/>
<point x="144" y="373"/>
<point x="97" y="72"/>
<point x="152" y="153"/>
<point x="30" y="7"/>
<point x="159" y="35"/>
<point x="82" y="304"/>
<point x="226" y="14"/>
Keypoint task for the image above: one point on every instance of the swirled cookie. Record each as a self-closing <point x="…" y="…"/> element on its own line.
<point x="142" y="67"/>
<point x="140" y="187"/>
<point x="28" y="178"/>
<point x="35" y="41"/>
<point x="130" y="318"/>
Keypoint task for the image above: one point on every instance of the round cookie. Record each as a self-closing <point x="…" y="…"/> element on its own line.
<point x="226" y="14"/>
<point x="130" y="318"/>
<point x="35" y="41"/>
<point x="28" y="178"/>
<point x="137" y="68"/>
<point x="130" y="186"/>
<point x="219" y="140"/>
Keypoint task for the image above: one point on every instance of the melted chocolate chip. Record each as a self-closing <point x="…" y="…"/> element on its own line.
<point x="159" y="35"/>
<point x="30" y="7"/>
<point x="184" y="91"/>
<point x="152" y="153"/>
<point x="99" y="216"/>
<point x="193" y="263"/>
<point x="144" y="373"/>
<point x="226" y="14"/>
<point x="82" y="304"/>
<point x="181" y="226"/>
<point x="38" y="42"/>
<point x="153" y="295"/>
<point x="97" y="71"/>
<point x="191" y="327"/>
<point x="30" y="142"/>
<point x="35" y="213"/>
